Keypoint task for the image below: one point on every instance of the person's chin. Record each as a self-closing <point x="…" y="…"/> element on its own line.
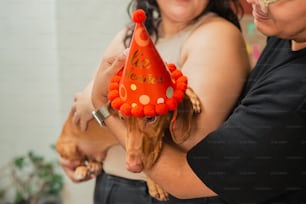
<point x="264" y="28"/>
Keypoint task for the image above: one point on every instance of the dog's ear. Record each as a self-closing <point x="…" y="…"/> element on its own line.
<point x="180" y="126"/>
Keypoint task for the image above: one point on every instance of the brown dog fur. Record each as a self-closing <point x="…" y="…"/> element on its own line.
<point x="144" y="140"/>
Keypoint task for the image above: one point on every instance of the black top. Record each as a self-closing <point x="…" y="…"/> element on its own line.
<point x="259" y="154"/>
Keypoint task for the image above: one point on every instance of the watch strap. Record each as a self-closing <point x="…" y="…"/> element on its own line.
<point x="101" y="114"/>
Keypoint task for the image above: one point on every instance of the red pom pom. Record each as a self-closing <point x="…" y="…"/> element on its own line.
<point x="137" y="111"/>
<point x="116" y="78"/>
<point x="182" y="79"/>
<point x="116" y="103"/>
<point x="139" y="16"/>
<point x="181" y="86"/>
<point x="176" y="74"/>
<point x="171" y="67"/>
<point x="179" y="95"/>
<point x="171" y="103"/>
<point x="161" y="109"/>
<point x="149" y="110"/>
<point x="114" y="86"/>
<point x="113" y="94"/>
<point x="125" y="109"/>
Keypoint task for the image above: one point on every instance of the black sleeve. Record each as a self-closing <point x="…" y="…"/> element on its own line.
<point x="259" y="152"/>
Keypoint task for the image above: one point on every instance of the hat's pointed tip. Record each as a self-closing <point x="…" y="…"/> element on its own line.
<point x="139" y="16"/>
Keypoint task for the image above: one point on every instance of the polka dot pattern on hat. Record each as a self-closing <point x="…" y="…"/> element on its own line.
<point x="146" y="86"/>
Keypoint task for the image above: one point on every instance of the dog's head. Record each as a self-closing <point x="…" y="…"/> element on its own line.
<point x="75" y="144"/>
<point x="145" y="134"/>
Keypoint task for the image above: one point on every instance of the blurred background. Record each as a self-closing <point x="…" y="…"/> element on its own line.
<point x="49" y="50"/>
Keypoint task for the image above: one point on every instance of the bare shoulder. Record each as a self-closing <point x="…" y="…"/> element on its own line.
<point x="216" y="31"/>
<point x="213" y="39"/>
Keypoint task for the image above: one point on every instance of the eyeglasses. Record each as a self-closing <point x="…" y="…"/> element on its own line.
<point x="265" y="3"/>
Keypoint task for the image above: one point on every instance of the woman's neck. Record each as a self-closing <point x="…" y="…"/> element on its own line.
<point x="169" y="28"/>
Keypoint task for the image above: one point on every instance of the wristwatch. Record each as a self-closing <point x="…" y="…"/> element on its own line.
<point x="101" y="114"/>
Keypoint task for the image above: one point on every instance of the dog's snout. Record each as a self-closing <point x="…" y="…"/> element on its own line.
<point x="134" y="163"/>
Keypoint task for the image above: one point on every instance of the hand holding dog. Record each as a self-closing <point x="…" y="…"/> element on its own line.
<point x="107" y="69"/>
<point x="69" y="167"/>
<point x="82" y="107"/>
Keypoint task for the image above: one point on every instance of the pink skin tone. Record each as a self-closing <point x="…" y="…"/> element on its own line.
<point x="177" y="14"/>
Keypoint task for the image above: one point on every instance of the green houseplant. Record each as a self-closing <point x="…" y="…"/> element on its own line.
<point x="31" y="179"/>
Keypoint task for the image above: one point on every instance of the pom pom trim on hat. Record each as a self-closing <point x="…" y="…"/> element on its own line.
<point x="139" y="16"/>
<point x="180" y="86"/>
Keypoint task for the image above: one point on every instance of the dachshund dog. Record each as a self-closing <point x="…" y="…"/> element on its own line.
<point x="145" y="135"/>
<point x="144" y="140"/>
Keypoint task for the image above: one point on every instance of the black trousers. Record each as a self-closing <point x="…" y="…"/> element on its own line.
<point x="116" y="190"/>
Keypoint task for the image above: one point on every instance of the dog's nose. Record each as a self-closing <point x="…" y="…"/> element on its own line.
<point x="135" y="168"/>
<point x="134" y="164"/>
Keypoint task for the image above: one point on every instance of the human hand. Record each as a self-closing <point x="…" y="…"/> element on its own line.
<point x="107" y="69"/>
<point x="82" y="107"/>
<point x="69" y="167"/>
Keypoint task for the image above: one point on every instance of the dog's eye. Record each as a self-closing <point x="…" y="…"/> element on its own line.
<point x="121" y="117"/>
<point x="150" y="119"/>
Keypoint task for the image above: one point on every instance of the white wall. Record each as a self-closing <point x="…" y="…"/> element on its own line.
<point x="48" y="51"/>
<point x="84" y="31"/>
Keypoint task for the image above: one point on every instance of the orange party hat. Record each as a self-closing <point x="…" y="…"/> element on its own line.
<point x="147" y="86"/>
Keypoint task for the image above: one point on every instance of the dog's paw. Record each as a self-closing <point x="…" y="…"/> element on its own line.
<point x="156" y="191"/>
<point x="94" y="167"/>
<point x="81" y="173"/>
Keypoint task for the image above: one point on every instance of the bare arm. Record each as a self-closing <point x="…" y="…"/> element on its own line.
<point x="216" y="71"/>
<point x="216" y="63"/>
